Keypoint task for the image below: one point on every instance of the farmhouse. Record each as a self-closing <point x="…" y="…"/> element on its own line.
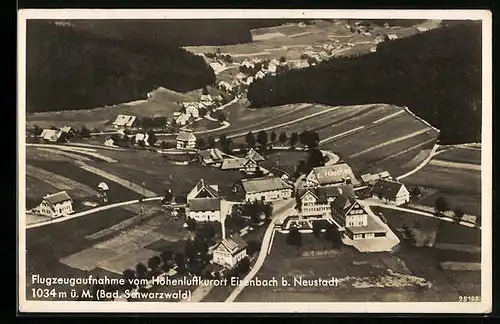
<point x="229" y="251"/>
<point x="55" y="205"/>
<point x="206" y="100"/>
<point x="252" y="154"/>
<point x="204" y="203"/>
<point x="186" y="140"/>
<point x="391" y="191"/>
<point x="240" y="76"/>
<point x="260" y="74"/>
<point x="355" y="220"/>
<point x="373" y="49"/>
<point x="68" y="131"/>
<point x="331" y="175"/>
<point x="248" y="80"/>
<point x="51" y="135"/>
<point x="421" y="29"/>
<point x="192" y="109"/>
<point x="266" y="189"/>
<point x="379" y="39"/>
<point x="141" y="137"/>
<point x="217" y="66"/>
<point x="316" y="201"/>
<point x="271" y="67"/>
<point x="247" y="63"/>
<point x="223" y="85"/>
<point x="241" y="164"/>
<point x="182" y="119"/>
<point x="124" y="121"/>
<point x="392" y="36"/>
<point x="211" y="157"/>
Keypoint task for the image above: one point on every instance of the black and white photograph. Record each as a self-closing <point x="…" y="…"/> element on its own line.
<point x="255" y="161"/>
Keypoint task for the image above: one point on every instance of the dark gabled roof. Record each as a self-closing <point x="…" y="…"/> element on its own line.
<point x="204" y="204"/>
<point x="185" y="137"/>
<point x="323" y="193"/>
<point x="202" y="185"/>
<point x="234" y="243"/>
<point x="387" y="189"/>
<point x="342" y="204"/>
<point x="57" y="198"/>
<point x="252" y="154"/>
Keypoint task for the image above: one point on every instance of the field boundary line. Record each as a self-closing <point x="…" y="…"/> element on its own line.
<point x="125" y="183"/>
<point x="61" y="147"/>
<point x="329" y="139"/>
<point x="395" y="140"/>
<point x="388" y="117"/>
<point x="456" y="165"/>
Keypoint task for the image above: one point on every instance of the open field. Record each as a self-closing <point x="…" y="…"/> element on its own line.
<point x="284" y="161"/>
<point x="161" y="103"/>
<point x="469" y="203"/>
<point x="462" y="155"/>
<point x="363" y="277"/>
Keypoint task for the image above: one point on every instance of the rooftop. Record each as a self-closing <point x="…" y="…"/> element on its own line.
<point x="234" y="243"/>
<point x="185" y="136"/>
<point x="264" y="184"/>
<point x="335" y="173"/>
<point x="57" y="198"/>
<point x="387" y="188"/>
<point x="204" y="204"/>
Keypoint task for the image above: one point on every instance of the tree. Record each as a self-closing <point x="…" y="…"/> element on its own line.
<point x="129" y="275"/>
<point x="315" y="159"/>
<point x="301" y="168"/>
<point x="262" y="138"/>
<point x="37" y="130"/>
<point x="459" y="213"/>
<point x="313" y="139"/>
<point x="191" y="223"/>
<point x="141" y="270"/>
<point x="283" y="138"/>
<point x="168" y="196"/>
<point x="202" y="111"/>
<point x="294" y="238"/>
<point x="221" y="117"/>
<point x="294" y="138"/>
<point x="243" y="266"/>
<point x="151" y="138"/>
<point x="273" y="137"/>
<point x="211" y="141"/>
<point x="441" y="205"/>
<point x="298" y="203"/>
<point x="141" y="143"/>
<point x="282" y="59"/>
<point x="84" y="132"/>
<point x="180" y="261"/>
<point x="154" y="263"/>
<point x="304" y="138"/>
<point x="253" y="247"/>
<point x="317" y="227"/>
<point x="205" y="91"/>
<point x="166" y="256"/>
<point x="200" y="142"/>
<point x="250" y="139"/>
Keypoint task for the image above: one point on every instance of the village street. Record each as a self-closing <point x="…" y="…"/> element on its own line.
<point x="282" y="211"/>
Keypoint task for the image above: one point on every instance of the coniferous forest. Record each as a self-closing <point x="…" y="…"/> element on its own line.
<point x="436" y="74"/>
<point x="68" y="69"/>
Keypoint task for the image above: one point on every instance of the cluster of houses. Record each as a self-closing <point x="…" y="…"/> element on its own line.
<point x="248" y="164"/>
<point x="61" y="134"/>
<point x="192" y="110"/>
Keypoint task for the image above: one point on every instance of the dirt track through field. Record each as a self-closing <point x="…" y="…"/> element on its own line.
<point x="67" y="154"/>
<point x="406" y="151"/>
<point x="456" y="165"/>
<point x="57" y="181"/>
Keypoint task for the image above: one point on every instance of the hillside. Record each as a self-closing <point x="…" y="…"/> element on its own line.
<point x="68" y="69"/>
<point x="436" y="74"/>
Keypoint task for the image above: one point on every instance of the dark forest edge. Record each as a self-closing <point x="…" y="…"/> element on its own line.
<point x="436" y="74"/>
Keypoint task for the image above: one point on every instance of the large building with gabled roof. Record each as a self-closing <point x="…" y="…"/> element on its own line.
<point x="315" y="201"/>
<point x="204" y="203"/>
<point x="266" y="189"/>
<point x="55" y="205"/>
<point x="229" y="251"/>
<point x="331" y="175"/>
<point x="392" y="192"/>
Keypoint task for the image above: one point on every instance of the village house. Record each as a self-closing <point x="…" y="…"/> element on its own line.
<point x="51" y="135"/>
<point x="373" y="49"/>
<point x="356" y="220"/>
<point x="240" y="76"/>
<point x="229" y="251"/>
<point x="421" y="29"/>
<point x="246" y="165"/>
<point x="248" y="80"/>
<point x="223" y="85"/>
<point x="211" y="157"/>
<point x="301" y="25"/>
<point x="55" y="205"/>
<point x="68" y="131"/>
<point x="252" y="154"/>
<point x="141" y="137"/>
<point x="391" y="192"/>
<point x="271" y="67"/>
<point x="204" y="203"/>
<point x="266" y="189"/>
<point x="186" y="140"/>
<point x="331" y="175"/>
<point x="386" y="25"/>
<point x="182" y="119"/>
<point x="109" y="142"/>
<point x="248" y="63"/>
<point x="124" y="121"/>
<point x="206" y="100"/>
<point x="260" y="75"/>
<point x="300" y="64"/>
<point x="315" y="202"/>
<point x="379" y="39"/>
<point x="392" y="36"/>
<point x="217" y="66"/>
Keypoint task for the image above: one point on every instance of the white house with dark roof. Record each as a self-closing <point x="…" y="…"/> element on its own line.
<point x="371" y="179"/>
<point x="192" y="109"/>
<point x="356" y="220"/>
<point x="266" y="189"/>
<point x="51" y="135"/>
<point x="204" y="202"/>
<point x="186" y="140"/>
<point x="260" y="74"/>
<point x="141" y="137"/>
<point x="246" y="165"/>
<point x="55" y="205"/>
<point x="181" y="119"/>
<point x="124" y="121"/>
<point x="229" y="251"/>
<point x="392" y="36"/>
<point x="331" y="175"/>
<point x="316" y="201"/>
<point x="392" y="192"/>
